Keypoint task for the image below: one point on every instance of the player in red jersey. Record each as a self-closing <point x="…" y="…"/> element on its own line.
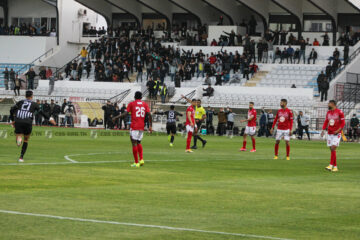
<point x="138" y="109"/>
<point x="250" y="127"/>
<point x="284" y="120"/>
<point x="334" y="123"/>
<point x="190" y="124"/>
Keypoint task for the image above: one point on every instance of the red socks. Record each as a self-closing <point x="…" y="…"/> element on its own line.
<point x="287" y="150"/>
<point x="140" y="151"/>
<point x="253" y="143"/>
<point x="244" y="144"/>
<point x="276" y="149"/>
<point x="135" y="150"/>
<point x="333" y="158"/>
<point x="188" y="140"/>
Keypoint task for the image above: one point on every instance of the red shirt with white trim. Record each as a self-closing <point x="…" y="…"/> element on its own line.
<point x="334" y="120"/>
<point x="192" y="110"/>
<point x="138" y="110"/>
<point x="252" y="122"/>
<point x="284" y="119"/>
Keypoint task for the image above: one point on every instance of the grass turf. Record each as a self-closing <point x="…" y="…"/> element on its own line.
<point x="215" y="189"/>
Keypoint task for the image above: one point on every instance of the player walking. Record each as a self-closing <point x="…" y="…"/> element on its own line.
<point x="190" y="124"/>
<point x="138" y="109"/>
<point x="200" y="116"/>
<point x="250" y="127"/>
<point x="284" y="120"/>
<point x="22" y="116"/>
<point x="334" y="123"/>
<point x="171" y="116"/>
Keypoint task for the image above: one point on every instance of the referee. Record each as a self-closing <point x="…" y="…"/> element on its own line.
<point x="200" y="116"/>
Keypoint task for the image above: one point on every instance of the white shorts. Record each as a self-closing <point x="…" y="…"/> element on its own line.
<point x="251" y="131"/>
<point x="283" y="133"/>
<point x="189" y="128"/>
<point x="136" y="135"/>
<point x="333" y="140"/>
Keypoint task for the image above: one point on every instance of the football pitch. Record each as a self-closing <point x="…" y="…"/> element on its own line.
<point x="76" y="186"/>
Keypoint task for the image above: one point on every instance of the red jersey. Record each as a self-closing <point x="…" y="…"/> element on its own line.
<point x="284" y="119"/>
<point x="192" y="111"/>
<point x="138" y="110"/>
<point x="334" y="120"/>
<point x="252" y="122"/>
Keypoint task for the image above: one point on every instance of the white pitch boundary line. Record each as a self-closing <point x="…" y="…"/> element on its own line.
<point x="69" y="159"/>
<point x="141" y="225"/>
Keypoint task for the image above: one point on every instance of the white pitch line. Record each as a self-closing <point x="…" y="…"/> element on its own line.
<point x="69" y="159"/>
<point x="141" y="225"/>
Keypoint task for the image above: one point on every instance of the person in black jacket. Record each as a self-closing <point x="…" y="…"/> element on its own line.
<point x="6" y="78"/>
<point x="320" y="78"/>
<point x="354" y="125"/>
<point x="328" y="71"/>
<point x="312" y="56"/>
<point x="108" y="110"/>
<point x="324" y="87"/>
<point x="231" y="38"/>
<point x="30" y="77"/>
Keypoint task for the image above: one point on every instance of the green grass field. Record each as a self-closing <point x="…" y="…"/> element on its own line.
<point x="217" y="189"/>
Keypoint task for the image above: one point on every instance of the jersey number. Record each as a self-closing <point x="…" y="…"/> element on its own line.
<point x="140" y="111"/>
<point x="26" y="106"/>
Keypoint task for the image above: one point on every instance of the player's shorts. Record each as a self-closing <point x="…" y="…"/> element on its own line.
<point x="251" y="131"/>
<point x="171" y="128"/>
<point x="333" y="140"/>
<point x="189" y="128"/>
<point x="136" y="135"/>
<point x="23" y="128"/>
<point x="283" y="133"/>
<point x="198" y="123"/>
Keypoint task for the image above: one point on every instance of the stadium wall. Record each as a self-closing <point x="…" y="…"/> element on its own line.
<point x="24" y="49"/>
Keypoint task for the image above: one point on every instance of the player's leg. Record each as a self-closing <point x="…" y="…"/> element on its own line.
<point x="24" y="147"/>
<point x="333" y="158"/>
<point x="168" y="130"/>
<point x="189" y="130"/>
<point x="287" y="149"/>
<point x="244" y="142"/>
<point x="198" y="135"/>
<point x="140" y="152"/>
<point x="135" y="149"/>
<point x="277" y="142"/>
<point x="19" y="139"/>
<point x="172" y="132"/>
<point x="253" y="143"/>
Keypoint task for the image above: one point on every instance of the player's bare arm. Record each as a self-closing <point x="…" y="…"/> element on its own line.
<point x="189" y="118"/>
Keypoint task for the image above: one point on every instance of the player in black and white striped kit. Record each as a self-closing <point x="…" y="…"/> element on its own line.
<point x="171" y="116"/>
<point x="22" y="115"/>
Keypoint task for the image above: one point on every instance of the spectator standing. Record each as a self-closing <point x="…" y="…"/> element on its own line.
<point x="354" y="125"/>
<point x="12" y="76"/>
<point x="123" y="119"/>
<point x="221" y="121"/>
<point x="209" y="118"/>
<point x="230" y="119"/>
<point x="108" y="110"/>
<point x="83" y="54"/>
<point x="319" y="79"/>
<point x="163" y="93"/>
<point x="302" y="50"/>
<point x="326" y="39"/>
<point x="304" y="125"/>
<point x="17" y="85"/>
<point x="263" y="123"/>
<point x="30" y="78"/>
<point x="324" y="87"/>
<point x="270" y="117"/>
<point x="6" y="78"/>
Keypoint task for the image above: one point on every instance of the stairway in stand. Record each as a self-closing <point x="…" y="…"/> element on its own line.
<point x="256" y="79"/>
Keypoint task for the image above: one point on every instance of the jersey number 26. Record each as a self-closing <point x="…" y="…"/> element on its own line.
<point x="140" y="111"/>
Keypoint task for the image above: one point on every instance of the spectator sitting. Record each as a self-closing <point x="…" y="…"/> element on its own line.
<point x="253" y="69"/>
<point x="213" y="43"/>
<point x="316" y="42"/>
<point x="313" y="56"/>
<point x="293" y="86"/>
<point x="209" y="91"/>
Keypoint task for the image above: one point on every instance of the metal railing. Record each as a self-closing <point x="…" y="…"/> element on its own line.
<point x="29" y="65"/>
<point x="121" y="96"/>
